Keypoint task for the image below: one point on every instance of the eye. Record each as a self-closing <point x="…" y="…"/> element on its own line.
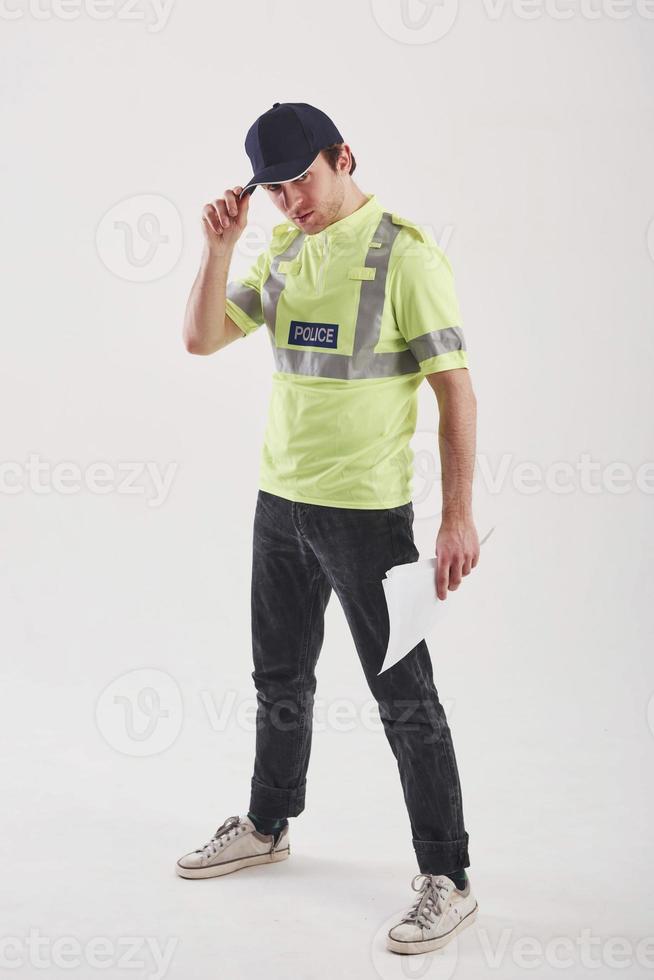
<point x="275" y="187"/>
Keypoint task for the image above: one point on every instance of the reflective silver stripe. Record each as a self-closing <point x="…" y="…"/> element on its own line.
<point x="371" y="302"/>
<point x="363" y="362"/>
<point x="437" y="342"/>
<point x="247" y="299"/>
<point x="274" y="285"/>
<point x="342" y="366"/>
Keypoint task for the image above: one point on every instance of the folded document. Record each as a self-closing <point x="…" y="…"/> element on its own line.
<point x="413" y="606"/>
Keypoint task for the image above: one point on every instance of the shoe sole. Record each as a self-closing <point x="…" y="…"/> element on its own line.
<point x="427" y="945"/>
<point x="213" y="871"/>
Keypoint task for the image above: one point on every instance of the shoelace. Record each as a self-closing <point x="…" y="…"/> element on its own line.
<point x="222" y="835"/>
<point x="435" y="892"/>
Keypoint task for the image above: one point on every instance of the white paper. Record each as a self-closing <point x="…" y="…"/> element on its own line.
<point x="414" y="608"/>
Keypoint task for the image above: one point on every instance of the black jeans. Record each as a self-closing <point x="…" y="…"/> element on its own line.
<point x="301" y="552"/>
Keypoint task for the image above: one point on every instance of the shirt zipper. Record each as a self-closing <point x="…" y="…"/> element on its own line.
<point x="323" y="265"/>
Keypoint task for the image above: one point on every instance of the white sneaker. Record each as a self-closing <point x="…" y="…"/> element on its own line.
<point x="236" y="844"/>
<point x="437" y="915"/>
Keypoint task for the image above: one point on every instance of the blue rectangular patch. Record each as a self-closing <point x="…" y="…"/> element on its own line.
<point x="304" y="334"/>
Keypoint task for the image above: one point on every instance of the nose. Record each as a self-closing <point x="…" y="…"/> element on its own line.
<point x="292" y="201"/>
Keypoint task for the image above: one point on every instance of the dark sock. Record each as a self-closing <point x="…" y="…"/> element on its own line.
<point x="459" y="877"/>
<point x="268" y="825"/>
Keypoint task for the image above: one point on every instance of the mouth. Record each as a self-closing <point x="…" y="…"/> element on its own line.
<point x="303" y="217"/>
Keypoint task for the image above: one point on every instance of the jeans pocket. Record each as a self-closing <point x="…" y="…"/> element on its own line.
<point x="403" y="510"/>
<point x="400" y="521"/>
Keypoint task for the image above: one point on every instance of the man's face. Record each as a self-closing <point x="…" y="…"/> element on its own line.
<point x="318" y="194"/>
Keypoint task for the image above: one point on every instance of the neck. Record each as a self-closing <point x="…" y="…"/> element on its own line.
<point x="354" y="199"/>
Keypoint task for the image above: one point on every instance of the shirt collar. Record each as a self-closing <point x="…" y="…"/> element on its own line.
<point x="352" y="224"/>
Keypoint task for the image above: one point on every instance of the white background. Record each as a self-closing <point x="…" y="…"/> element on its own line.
<point x="522" y="138"/>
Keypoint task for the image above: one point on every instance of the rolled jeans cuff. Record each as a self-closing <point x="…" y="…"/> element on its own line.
<point x="271" y="801"/>
<point x="440" y="856"/>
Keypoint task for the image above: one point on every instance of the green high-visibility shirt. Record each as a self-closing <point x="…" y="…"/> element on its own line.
<point x="357" y="315"/>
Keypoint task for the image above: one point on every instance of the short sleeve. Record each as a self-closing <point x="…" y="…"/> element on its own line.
<point x="243" y="297"/>
<point x="425" y="306"/>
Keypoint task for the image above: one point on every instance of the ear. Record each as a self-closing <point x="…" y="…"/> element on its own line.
<point x="345" y="159"/>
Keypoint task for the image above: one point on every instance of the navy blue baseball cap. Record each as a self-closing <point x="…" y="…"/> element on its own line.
<point x="284" y="141"/>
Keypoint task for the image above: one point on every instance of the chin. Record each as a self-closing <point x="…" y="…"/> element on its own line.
<point x="316" y="226"/>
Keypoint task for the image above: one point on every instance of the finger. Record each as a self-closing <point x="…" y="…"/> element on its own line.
<point x="242" y="203"/>
<point x="442" y="577"/>
<point x="231" y="203"/>
<point x="455" y="574"/>
<point x="213" y="219"/>
<point x="209" y="219"/>
<point x="221" y="210"/>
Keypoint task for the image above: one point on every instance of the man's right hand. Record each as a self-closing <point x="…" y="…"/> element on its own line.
<point x="224" y="220"/>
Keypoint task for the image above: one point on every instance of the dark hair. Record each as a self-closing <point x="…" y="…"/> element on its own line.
<point x="332" y="154"/>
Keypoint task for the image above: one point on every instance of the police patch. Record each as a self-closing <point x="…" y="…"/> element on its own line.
<point x="304" y="334"/>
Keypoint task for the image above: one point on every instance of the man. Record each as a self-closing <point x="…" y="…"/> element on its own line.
<point x="360" y="307"/>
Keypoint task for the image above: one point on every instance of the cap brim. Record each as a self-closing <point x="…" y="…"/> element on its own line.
<point x="280" y="173"/>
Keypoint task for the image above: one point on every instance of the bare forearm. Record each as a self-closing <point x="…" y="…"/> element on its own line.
<point x="204" y="320"/>
<point x="457" y="445"/>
